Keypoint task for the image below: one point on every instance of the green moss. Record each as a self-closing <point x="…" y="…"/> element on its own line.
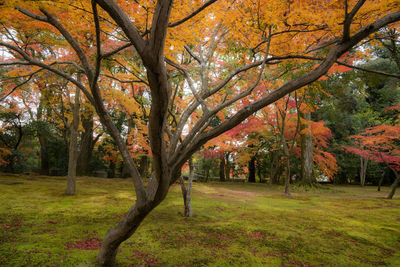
<point x="234" y="225"/>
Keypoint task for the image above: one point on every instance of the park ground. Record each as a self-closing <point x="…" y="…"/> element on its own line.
<point x="235" y="224"/>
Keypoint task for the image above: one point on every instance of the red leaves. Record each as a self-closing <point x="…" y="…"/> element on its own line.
<point x="91" y="243"/>
<point x="379" y="144"/>
<point x="52" y="222"/>
<point x="15" y="224"/>
<point x="143" y="258"/>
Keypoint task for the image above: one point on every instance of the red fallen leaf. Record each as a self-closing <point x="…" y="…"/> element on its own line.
<point x="335" y="234"/>
<point x="144" y="258"/>
<point x="120" y="214"/>
<point x="370" y="208"/>
<point x="13" y="225"/>
<point x="92" y="243"/>
<point x="353" y="241"/>
<point x="398" y="219"/>
<point x="244" y="215"/>
<point x="52" y="222"/>
<point x="256" y="235"/>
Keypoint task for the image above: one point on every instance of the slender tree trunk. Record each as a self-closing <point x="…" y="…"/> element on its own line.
<point x="394" y="185"/>
<point x="42" y="136"/>
<point x="306" y="151"/>
<point x="227" y="167"/>
<point x="187" y="192"/>
<point x="111" y="171"/>
<point x="73" y="147"/>
<point x="258" y="168"/>
<point x="381" y="180"/>
<point x="363" y="170"/>
<point x="252" y="170"/>
<point x="287" y="156"/>
<point x="222" y="168"/>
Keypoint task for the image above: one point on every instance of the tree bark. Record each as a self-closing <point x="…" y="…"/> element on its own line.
<point x="144" y="166"/>
<point x="381" y="180"/>
<point x="87" y="143"/>
<point x="394" y="185"/>
<point x="287" y="156"/>
<point x="73" y="147"/>
<point x="306" y="151"/>
<point x="222" y="168"/>
<point x="252" y="170"/>
<point x="227" y="167"/>
<point x="119" y="233"/>
<point x="187" y="192"/>
<point x="42" y="136"/>
<point x="275" y="168"/>
<point x="363" y="170"/>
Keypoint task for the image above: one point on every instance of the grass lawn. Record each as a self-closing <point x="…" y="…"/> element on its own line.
<point x="234" y="224"/>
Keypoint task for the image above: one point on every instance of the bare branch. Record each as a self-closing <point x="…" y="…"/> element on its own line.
<point x="190" y="51"/>
<point x="206" y="4"/>
<point x="117" y="50"/>
<point x="368" y="70"/>
<point x="349" y="19"/>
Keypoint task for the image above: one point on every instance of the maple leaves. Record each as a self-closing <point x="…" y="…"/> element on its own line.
<point x="379" y="144"/>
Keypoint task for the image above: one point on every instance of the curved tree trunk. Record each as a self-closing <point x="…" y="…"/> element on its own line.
<point x="394" y="185"/>
<point x="119" y="233"/>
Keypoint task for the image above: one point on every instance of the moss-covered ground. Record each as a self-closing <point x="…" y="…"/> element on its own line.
<point x="235" y="224"/>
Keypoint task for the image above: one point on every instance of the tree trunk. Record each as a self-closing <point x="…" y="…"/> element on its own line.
<point x="119" y="233"/>
<point x="381" y="180"/>
<point x="306" y="151"/>
<point x="394" y="185"/>
<point x="363" y="170"/>
<point x="187" y="192"/>
<point x="42" y="136"/>
<point x="87" y="143"/>
<point x="252" y="170"/>
<point x="73" y="147"/>
<point x="111" y="171"/>
<point x="222" y="168"/>
<point x="275" y="168"/>
<point x="144" y="166"/>
<point x="286" y="152"/>
<point x="227" y="167"/>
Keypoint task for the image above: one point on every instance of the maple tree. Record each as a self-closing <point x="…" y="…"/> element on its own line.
<point x="258" y="34"/>
<point x="380" y="144"/>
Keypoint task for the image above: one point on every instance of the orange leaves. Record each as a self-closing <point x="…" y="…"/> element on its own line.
<point x="379" y="143"/>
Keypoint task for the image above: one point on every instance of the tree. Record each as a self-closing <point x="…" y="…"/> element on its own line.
<point x="283" y="31"/>
<point x="380" y="144"/>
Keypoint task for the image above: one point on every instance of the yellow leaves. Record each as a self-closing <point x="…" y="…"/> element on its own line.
<point x="127" y="103"/>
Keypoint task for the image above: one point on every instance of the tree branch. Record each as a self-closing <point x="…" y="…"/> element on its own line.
<point x="206" y="4"/>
